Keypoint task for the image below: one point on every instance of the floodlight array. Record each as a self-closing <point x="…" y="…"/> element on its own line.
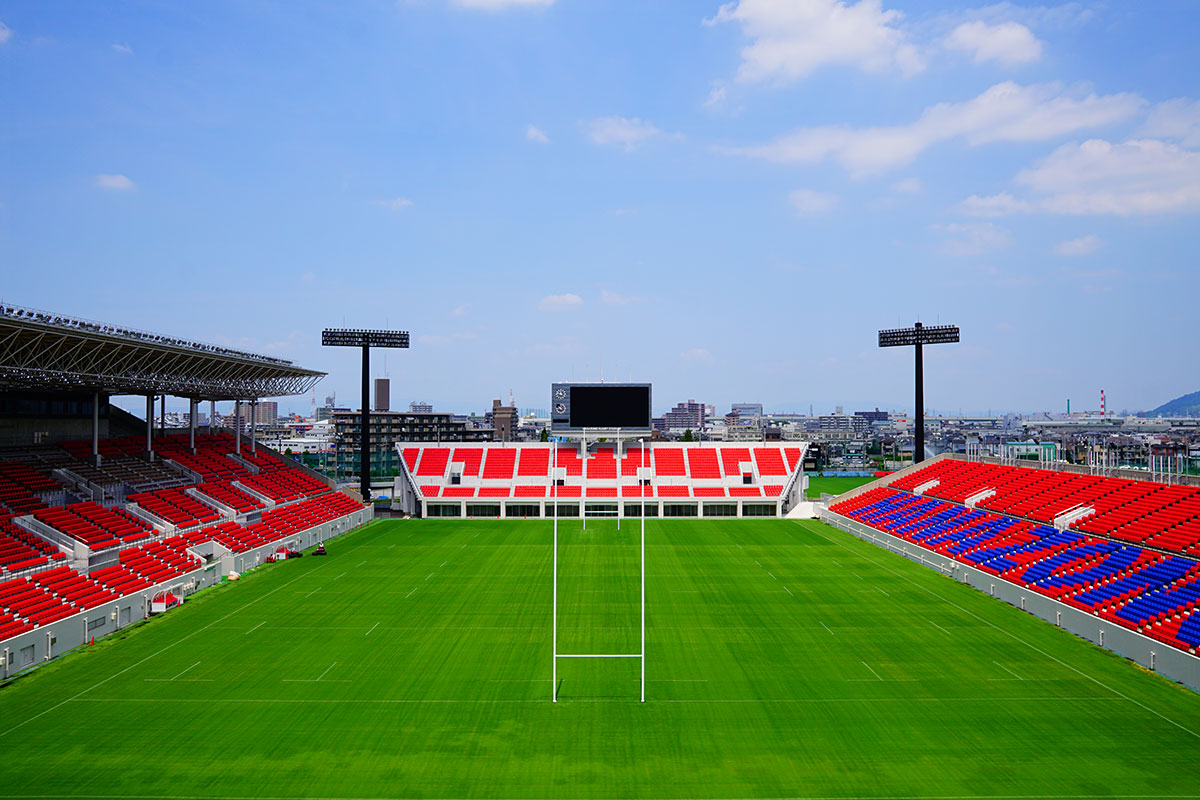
<point x="935" y="334"/>
<point x="355" y="337"/>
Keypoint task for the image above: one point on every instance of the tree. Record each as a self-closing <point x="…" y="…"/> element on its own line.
<point x="688" y="436"/>
<point x="288" y="452"/>
<point x="545" y="435"/>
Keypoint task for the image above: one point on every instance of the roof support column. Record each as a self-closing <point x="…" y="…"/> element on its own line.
<point x="237" y="427"/>
<point x="149" y="427"/>
<point x="162" y="416"/>
<point x="192" y="424"/>
<point x="254" y="426"/>
<point x="95" y="429"/>
<point x="212" y="417"/>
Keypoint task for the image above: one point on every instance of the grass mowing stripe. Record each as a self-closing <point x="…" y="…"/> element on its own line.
<point x="1036" y="649"/>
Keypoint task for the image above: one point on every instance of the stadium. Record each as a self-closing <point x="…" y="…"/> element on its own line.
<point x="602" y="615"/>
<point x="568" y="400"/>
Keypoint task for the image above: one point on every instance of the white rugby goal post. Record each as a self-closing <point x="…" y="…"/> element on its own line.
<point x="641" y="656"/>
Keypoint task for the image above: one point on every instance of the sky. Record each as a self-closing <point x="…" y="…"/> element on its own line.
<point x="725" y="199"/>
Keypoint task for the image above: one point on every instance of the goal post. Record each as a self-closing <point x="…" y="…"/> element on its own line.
<point x="641" y="655"/>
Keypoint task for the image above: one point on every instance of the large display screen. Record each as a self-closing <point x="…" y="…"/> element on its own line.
<point x="605" y="406"/>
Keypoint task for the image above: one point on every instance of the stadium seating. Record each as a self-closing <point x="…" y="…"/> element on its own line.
<point x="94" y="525"/>
<point x="703" y="464"/>
<point x="669" y="463"/>
<point x="469" y="457"/>
<point x="602" y="465"/>
<point x="499" y="464"/>
<point x="1145" y="590"/>
<point x="1144" y="512"/>
<point x="284" y="486"/>
<point x="534" y="463"/>
<point x="433" y="462"/>
<point x="228" y="494"/>
<point x="176" y="507"/>
<point x="770" y="461"/>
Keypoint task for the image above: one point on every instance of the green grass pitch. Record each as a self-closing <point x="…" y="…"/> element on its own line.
<point x="785" y="659"/>
<point x="833" y="485"/>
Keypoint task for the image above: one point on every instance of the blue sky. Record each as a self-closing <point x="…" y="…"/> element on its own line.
<point x="727" y="200"/>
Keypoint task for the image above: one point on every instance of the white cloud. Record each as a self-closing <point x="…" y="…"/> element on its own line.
<point x="1137" y="178"/>
<point x="560" y="302"/>
<point x="716" y="97"/>
<point x="1007" y="43"/>
<point x="1083" y="246"/>
<point x="972" y="238"/>
<point x="807" y="203"/>
<point x="614" y="299"/>
<point x="997" y="205"/>
<point x="696" y="354"/>
<point x="500" y="5"/>
<point x="790" y="39"/>
<point x="460" y="310"/>
<point x="536" y="134"/>
<point x="625" y="132"/>
<point x="5" y="33"/>
<point x="396" y="203"/>
<point x="123" y="48"/>
<point x="908" y="186"/>
<point x="1177" y="119"/>
<point x="115" y="183"/>
<point x="1007" y="112"/>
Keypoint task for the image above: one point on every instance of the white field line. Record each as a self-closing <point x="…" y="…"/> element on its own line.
<point x="192" y="667"/>
<point x="1008" y="671"/>
<point x="343" y="574"/>
<point x="1014" y="636"/>
<point x="789" y="591"/>
<point x="160" y="651"/>
<point x="373" y="627"/>
<point x="881" y="590"/>
<point x="360" y="564"/>
<point x="430" y="575"/>
<point x="256" y="627"/>
<point x="873" y="672"/>
<point x="772" y="574"/>
<point x="444" y="563"/>
<point x="410" y="593"/>
<point x="490" y="701"/>
<point x="939" y="627"/>
<point x="826" y="627"/>
<point x="390" y="546"/>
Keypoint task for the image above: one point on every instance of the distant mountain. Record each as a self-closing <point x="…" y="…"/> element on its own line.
<point x="1186" y="406"/>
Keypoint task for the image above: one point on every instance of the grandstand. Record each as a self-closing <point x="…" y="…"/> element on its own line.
<point x="1122" y="551"/>
<point x="91" y="529"/>
<point x="669" y="479"/>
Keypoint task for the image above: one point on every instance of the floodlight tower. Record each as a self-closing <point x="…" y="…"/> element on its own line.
<point x="917" y="336"/>
<point x="353" y="337"/>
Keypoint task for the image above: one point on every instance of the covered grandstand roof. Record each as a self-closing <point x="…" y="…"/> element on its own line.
<point x="43" y="350"/>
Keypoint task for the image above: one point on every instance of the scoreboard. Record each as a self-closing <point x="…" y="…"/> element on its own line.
<point x="604" y="406"/>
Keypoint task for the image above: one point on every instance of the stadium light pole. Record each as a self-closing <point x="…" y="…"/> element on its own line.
<point x="916" y="337"/>
<point x="554" y="623"/>
<point x="365" y="339"/>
